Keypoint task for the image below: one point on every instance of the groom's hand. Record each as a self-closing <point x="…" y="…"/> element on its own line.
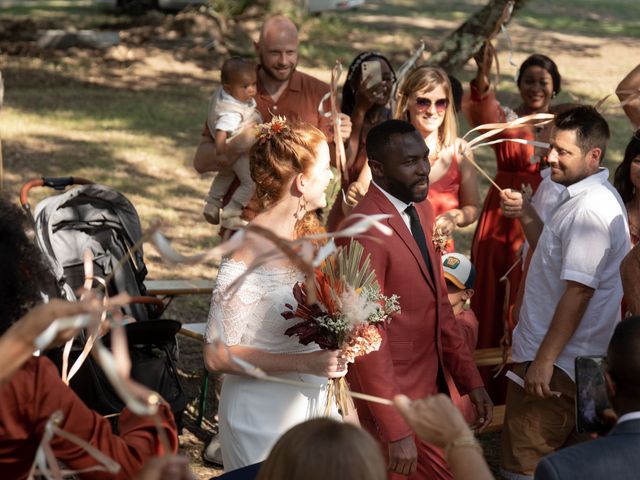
<point x="403" y="456"/>
<point x="484" y="408"/>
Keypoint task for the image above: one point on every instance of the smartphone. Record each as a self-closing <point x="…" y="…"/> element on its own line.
<point x="371" y="70"/>
<point x="591" y="395"/>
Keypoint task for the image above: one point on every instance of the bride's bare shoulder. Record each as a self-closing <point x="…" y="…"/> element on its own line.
<point x="253" y="247"/>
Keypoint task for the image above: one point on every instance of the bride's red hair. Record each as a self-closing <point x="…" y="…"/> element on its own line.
<point x="277" y="157"/>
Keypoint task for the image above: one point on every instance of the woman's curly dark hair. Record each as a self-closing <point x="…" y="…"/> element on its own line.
<point x="24" y="272"/>
<point x="353" y="78"/>
<point x="622" y="177"/>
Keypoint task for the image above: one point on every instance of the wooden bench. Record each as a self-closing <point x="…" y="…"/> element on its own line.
<point x="194" y="330"/>
<point x="167" y="290"/>
<point x="176" y="288"/>
<point x="488" y="357"/>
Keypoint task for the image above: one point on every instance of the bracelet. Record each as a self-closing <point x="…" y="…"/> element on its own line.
<point x="466" y="441"/>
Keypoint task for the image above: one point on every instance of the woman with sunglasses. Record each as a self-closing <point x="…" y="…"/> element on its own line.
<point x="366" y="103"/>
<point x="498" y="240"/>
<point x="426" y="100"/>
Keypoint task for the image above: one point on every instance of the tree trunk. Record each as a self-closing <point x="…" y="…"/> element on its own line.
<point x="462" y="44"/>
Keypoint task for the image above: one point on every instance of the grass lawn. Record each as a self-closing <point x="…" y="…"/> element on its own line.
<point x="131" y="116"/>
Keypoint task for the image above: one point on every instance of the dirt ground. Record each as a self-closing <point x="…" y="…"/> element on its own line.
<point x="172" y="54"/>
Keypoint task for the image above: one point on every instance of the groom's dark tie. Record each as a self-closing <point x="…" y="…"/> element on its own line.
<point x="418" y="234"/>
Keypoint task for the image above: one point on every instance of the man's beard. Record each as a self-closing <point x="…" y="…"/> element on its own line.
<point x="273" y="74"/>
<point x="406" y="193"/>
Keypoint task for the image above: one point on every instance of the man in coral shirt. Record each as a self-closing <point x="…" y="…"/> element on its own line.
<point x="282" y="90"/>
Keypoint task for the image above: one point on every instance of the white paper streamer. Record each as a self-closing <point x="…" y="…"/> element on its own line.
<point x="51" y="332"/>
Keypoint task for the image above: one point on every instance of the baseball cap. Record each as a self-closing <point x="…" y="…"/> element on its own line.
<point x="459" y="270"/>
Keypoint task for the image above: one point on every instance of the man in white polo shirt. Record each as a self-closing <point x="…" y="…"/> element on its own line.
<point x="572" y="292"/>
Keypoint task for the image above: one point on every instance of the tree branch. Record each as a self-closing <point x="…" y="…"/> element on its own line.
<point x="462" y="44"/>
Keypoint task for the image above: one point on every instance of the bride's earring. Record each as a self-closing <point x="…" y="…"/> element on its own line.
<point x="302" y="208"/>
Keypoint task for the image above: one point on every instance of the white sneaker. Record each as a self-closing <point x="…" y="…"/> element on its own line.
<point x="213" y="452"/>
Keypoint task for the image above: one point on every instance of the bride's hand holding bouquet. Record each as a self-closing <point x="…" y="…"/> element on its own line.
<point x="324" y="363"/>
<point x="346" y="318"/>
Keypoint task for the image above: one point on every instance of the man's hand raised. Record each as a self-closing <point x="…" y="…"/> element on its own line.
<point x="512" y="202"/>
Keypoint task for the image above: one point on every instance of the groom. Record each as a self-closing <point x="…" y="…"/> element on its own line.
<point x="423" y="338"/>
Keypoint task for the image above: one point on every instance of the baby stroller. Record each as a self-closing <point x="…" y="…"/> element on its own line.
<point x="99" y="218"/>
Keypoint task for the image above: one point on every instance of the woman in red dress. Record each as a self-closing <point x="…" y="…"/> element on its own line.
<point x="367" y="106"/>
<point x="498" y="239"/>
<point x="627" y="182"/>
<point x="627" y="176"/>
<point x="426" y="100"/>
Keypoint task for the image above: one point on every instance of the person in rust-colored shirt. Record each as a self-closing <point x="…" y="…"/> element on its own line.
<point x="299" y="100"/>
<point x="32" y="392"/>
<point x="282" y="90"/>
<point x="35" y="392"/>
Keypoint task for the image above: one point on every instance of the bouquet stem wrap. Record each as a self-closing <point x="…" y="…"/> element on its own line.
<point x="338" y="392"/>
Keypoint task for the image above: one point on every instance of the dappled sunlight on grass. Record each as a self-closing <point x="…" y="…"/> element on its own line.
<point x="131" y="118"/>
<point x="588" y="17"/>
<point x="152" y="170"/>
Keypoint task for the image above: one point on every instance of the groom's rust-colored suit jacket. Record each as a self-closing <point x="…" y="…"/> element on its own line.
<point x="418" y="341"/>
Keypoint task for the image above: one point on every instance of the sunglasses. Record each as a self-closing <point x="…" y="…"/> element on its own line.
<point x="424" y="104"/>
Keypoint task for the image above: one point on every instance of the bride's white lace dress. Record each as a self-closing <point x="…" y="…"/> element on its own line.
<point x="252" y="413"/>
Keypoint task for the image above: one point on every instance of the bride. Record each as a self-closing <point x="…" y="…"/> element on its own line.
<point x="290" y="166"/>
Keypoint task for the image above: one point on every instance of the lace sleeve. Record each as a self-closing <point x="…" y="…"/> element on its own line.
<point x="228" y="316"/>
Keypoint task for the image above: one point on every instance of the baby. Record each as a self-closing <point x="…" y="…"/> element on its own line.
<point x="231" y="109"/>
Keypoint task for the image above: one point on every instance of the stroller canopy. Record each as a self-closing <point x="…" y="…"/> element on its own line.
<point x="93" y="217"/>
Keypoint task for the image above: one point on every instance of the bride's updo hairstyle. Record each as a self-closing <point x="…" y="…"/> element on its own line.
<point x="283" y="150"/>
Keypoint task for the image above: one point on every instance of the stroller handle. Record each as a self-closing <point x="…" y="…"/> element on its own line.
<point x="148" y="300"/>
<point x="57" y="183"/>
